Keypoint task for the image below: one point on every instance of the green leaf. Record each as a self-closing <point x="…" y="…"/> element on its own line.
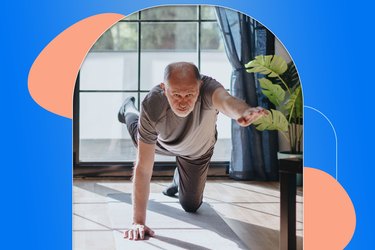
<point x="271" y="65"/>
<point x="293" y="105"/>
<point x="290" y="76"/>
<point x="275" y="120"/>
<point x="274" y="92"/>
<point x="299" y="104"/>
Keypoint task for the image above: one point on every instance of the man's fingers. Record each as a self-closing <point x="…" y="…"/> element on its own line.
<point x="130" y="234"/>
<point x="250" y="117"/>
<point x="150" y="232"/>
<point x="261" y="110"/>
<point x="244" y="121"/>
<point x="130" y="237"/>
<point x="138" y="232"/>
<point x="141" y="233"/>
<point x="240" y="120"/>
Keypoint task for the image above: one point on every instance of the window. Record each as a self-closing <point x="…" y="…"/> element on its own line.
<point x="128" y="60"/>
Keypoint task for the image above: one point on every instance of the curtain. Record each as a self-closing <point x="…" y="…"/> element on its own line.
<point x="254" y="153"/>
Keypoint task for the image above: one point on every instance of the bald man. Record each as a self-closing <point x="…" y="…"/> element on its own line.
<point x="178" y="118"/>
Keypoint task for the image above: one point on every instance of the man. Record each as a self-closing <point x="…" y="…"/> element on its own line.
<point x="178" y="118"/>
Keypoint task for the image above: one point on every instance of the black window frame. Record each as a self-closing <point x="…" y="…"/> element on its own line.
<point x="123" y="169"/>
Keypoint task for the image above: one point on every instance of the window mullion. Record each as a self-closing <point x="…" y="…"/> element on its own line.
<point x="199" y="38"/>
<point x="139" y="60"/>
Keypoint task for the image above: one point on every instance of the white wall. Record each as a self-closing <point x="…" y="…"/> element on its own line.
<point x="281" y="51"/>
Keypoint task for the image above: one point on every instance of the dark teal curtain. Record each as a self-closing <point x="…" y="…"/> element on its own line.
<point x="254" y="153"/>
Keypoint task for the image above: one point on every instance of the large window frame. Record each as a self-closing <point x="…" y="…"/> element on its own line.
<point x="96" y="169"/>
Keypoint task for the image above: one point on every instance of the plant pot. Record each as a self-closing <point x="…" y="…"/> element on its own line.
<point x="286" y="155"/>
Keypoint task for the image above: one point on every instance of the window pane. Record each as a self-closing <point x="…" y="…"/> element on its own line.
<point x="214" y="61"/>
<point x="170" y="13"/>
<point x="154" y="63"/>
<point x="133" y="16"/>
<point x="102" y="137"/>
<point x="210" y="37"/>
<point x="208" y="12"/>
<point x="223" y="146"/>
<point x="109" y="71"/>
<point x="216" y="65"/>
<point x="123" y="36"/>
<point x="168" y="36"/>
<point x="163" y="43"/>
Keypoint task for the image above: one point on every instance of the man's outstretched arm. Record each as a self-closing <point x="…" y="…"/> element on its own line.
<point x="236" y="108"/>
<point x="141" y="189"/>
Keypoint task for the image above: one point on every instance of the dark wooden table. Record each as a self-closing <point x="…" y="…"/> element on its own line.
<point x="288" y="169"/>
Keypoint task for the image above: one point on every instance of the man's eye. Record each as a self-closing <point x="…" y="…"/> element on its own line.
<point x="176" y="95"/>
<point x="190" y="95"/>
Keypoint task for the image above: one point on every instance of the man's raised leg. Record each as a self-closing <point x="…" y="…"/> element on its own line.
<point x="129" y="115"/>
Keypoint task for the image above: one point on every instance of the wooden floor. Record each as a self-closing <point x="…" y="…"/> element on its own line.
<point x="249" y="210"/>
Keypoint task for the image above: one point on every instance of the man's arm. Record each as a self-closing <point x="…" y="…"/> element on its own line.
<point x="236" y="108"/>
<point x="141" y="189"/>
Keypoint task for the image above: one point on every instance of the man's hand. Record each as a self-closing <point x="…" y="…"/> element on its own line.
<point x="251" y="115"/>
<point x="138" y="232"/>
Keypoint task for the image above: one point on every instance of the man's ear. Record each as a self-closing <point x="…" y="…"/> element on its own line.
<point x="200" y="82"/>
<point x="162" y="86"/>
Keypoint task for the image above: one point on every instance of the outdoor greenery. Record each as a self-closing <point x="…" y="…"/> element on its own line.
<point x="281" y="85"/>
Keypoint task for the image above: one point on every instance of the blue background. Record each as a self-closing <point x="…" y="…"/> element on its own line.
<point x="330" y="42"/>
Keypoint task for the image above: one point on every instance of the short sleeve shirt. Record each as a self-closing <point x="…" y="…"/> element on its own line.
<point x="191" y="136"/>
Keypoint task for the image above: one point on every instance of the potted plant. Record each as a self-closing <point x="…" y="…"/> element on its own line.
<point x="281" y="85"/>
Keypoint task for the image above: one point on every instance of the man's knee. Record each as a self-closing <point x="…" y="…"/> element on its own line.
<point x="190" y="206"/>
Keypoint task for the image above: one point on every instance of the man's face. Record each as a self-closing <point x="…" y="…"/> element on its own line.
<point x="181" y="93"/>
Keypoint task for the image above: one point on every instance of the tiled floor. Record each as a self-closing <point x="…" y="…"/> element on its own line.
<point x="235" y="215"/>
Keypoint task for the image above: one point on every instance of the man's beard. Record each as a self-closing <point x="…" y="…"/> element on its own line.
<point x="184" y="112"/>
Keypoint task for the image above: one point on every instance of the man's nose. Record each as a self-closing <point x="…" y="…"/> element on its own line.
<point x="183" y="103"/>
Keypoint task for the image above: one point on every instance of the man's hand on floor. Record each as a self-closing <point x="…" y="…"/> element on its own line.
<point x="138" y="232"/>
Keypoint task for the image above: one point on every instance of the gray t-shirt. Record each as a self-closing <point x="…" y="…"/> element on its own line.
<point x="191" y="136"/>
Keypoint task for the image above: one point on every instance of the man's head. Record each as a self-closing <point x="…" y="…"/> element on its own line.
<point x="181" y="87"/>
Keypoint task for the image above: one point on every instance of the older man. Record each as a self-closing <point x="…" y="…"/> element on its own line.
<point x="178" y="118"/>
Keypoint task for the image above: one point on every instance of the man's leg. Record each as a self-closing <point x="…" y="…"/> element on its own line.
<point x="172" y="189"/>
<point x="192" y="180"/>
<point x="129" y="115"/>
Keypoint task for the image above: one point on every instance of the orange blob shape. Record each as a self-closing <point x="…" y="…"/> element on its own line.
<point x="53" y="74"/>
<point x="329" y="215"/>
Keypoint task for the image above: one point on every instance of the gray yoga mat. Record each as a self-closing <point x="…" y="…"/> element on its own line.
<point x="174" y="228"/>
